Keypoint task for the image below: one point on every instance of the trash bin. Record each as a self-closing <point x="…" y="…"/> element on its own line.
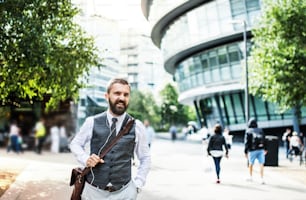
<point x="271" y="158"/>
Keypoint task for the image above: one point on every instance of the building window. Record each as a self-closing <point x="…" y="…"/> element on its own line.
<point x="133" y="77"/>
<point x="237" y="7"/>
<point x="214" y="65"/>
<point x="213" y="59"/>
<point x="234" y="53"/>
<point x="245" y="9"/>
<point x="83" y="102"/>
<point x="132" y="65"/>
<point x="132" y="58"/>
<point x="229" y="109"/>
<point x="260" y="108"/>
<point x="222" y="56"/>
<point x="252" y="5"/>
<point x="239" y="107"/>
<point x="204" y="62"/>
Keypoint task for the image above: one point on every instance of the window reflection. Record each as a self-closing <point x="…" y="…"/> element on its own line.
<point x="232" y="109"/>
<point x="207" y="21"/>
<point x="219" y="64"/>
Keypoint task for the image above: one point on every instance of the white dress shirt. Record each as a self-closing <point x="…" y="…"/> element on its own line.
<point x="82" y="138"/>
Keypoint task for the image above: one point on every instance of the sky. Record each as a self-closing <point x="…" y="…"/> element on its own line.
<point x="127" y="12"/>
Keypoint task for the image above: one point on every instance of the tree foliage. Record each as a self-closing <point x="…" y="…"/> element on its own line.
<point x="172" y="112"/>
<point x="43" y="52"/>
<point x="278" y="58"/>
<point x="143" y="106"/>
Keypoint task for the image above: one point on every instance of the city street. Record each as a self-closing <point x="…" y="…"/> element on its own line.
<point x="180" y="170"/>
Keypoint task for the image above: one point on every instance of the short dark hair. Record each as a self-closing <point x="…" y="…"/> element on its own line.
<point x="116" y="80"/>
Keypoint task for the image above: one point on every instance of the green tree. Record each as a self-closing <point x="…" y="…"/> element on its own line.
<point x="172" y="112"/>
<point x="153" y="110"/>
<point x="278" y="57"/>
<point x="143" y="106"/>
<point x="43" y="52"/>
<point x="136" y="105"/>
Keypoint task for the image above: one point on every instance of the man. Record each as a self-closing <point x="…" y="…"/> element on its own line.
<point x="173" y="131"/>
<point x="14" y="134"/>
<point x="228" y="138"/>
<point x="110" y="177"/>
<point x="255" y="147"/>
<point x="40" y="134"/>
<point x="149" y="131"/>
<point x="296" y="145"/>
<point x="286" y="139"/>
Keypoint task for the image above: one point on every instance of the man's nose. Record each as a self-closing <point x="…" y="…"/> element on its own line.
<point x="122" y="97"/>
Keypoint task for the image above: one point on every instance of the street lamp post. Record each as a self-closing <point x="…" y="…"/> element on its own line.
<point x="246" y="91"/>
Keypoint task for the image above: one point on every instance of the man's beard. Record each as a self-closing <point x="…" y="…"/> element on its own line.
<point x="118" y="110"/>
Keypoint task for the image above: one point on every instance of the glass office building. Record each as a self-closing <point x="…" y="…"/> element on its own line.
<point x="204" y="52"/>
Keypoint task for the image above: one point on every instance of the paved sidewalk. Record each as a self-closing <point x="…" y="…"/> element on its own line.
<point x="43" y="177"/>
<point x="180" y="171"/>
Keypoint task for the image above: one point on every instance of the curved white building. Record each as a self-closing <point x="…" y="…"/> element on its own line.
<point x="204" y="52"/>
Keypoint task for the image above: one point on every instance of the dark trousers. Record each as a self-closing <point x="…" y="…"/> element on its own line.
<point x="173" y="136"/>
<point x="14" y="144"/>
<point x="40" y="143"/>
<point x="217" y="161"/>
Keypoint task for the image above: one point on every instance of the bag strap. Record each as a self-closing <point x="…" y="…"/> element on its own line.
<point x="122" y="132"/>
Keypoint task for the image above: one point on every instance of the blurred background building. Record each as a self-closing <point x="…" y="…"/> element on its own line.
<point x="203" y="49"/>
<point x="106" y="33"/>
<point x="123" y="39"/>
<point x="142" y="62"/>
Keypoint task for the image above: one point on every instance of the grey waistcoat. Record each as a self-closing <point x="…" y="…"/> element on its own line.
<point x="116" y="168"/>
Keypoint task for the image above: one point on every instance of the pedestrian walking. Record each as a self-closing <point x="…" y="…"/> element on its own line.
<point x="216" y="146"/>
<point x="149" y="132"/>
<point x="64" y="144"/>
<point x="40" y="135"/>
<point x="295" y="146"/>
<point x="14" y="135"/>
<point x="286" y="139"/>
<point x="55" y="138"/>
<point x="255" y="148"/>
<point x="111" y="177"/>
<point x="173" y="132"/>
<point x="228" y="138"/>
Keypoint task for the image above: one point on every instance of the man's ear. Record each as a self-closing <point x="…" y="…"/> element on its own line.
<point x="106" y="96"/>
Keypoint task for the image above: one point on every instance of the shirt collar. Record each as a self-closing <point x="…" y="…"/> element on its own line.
<point x="119" y="118"/>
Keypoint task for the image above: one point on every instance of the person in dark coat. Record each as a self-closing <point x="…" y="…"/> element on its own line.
<point x="255" y="147"/>
<point x="215" y="149"/>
